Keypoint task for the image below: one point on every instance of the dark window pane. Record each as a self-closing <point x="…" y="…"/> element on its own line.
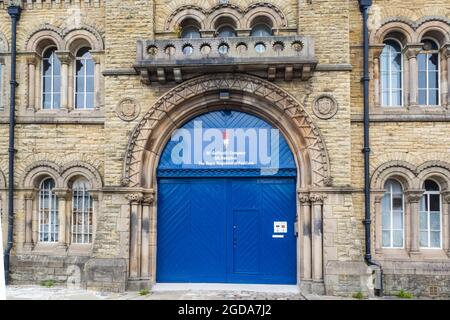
<point x="89" y="100"/>
<point x="89" y="67"/>
<point x="47" y="67"/>
<point x="433" y="98"/>
<point x="433" y="62"/>
<point x="80" y="100"/>
<point x="423" y="97"/>
<point x="80" y="84"/>
<point x="435" y="204"/>
<point x="397" y="203"/>
<point x="422" y="79"/>
<point x="56" y="66"/>
<point x="421" y="60"/>
<point x="80" y="67"/>
<point x="90" y="84"/>
<point x="430" y="185"/>
<point x="56" y="100"/>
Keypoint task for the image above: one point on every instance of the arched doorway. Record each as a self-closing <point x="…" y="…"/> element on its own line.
<point x="243" y="93"/>
<point x="226" y="202"/>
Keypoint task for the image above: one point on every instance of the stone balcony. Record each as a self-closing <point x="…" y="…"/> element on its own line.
<point x="176" y="60"/>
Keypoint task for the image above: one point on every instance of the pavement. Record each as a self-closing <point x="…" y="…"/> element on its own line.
<point x="36" y="292"/>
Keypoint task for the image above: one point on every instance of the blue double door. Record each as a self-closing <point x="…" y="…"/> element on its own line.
<point x="222" y="230"/>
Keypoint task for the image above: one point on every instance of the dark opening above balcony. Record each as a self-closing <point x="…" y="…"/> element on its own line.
<point x="274" y="57"/>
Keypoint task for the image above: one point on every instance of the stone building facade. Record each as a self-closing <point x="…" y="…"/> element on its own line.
<point x="149" y="66"/>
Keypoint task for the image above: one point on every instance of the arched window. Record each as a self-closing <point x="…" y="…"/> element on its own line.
<point x="392" y="215"/>
<point x="430" y="216"/>
<point x="428" y="66"/>
<point x="81" y="212"/>
<point x="190" y="32"/>
<point x="226" y="32"/>
<point x="51" y="79"/>
<point x="261" y="30"/>
<point x="391" y="74"/>
<point x="48" y="212"/>
<point x="84" y="80"/>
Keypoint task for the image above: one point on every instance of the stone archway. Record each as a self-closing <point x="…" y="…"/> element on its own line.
<point x="203" y="94"/>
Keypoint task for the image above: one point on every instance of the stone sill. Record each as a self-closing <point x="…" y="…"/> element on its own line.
<point x="54" y="249"/>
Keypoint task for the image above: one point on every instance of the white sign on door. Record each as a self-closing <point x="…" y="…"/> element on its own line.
<point x="280" y="226"/>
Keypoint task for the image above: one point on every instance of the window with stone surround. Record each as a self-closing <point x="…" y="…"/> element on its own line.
<point x="48" y="212"/>
<point x="82" y="212"/>
<point x="430" y="216"/>
<point x="392" y="215"/>
<point x="84" y="79"/>
<point x="51" y="79"/>
<point x="391" y="74"/>
<point x="428" y="73"/>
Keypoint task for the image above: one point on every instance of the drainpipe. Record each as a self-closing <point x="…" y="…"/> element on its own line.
<point x="364" y="6"/>
<point x="14" y="12"/>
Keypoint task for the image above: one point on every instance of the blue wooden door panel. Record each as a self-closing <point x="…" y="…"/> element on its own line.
<point x="246" y="241"/>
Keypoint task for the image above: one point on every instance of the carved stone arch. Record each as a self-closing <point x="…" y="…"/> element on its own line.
<point x="402" y="31"/>
<point x="76" y="38"/>
<point x="264" y="9"/>
<point x="435" y="29"/>
<point x="422" y="20"/>
<point x="4" y="45"/>
<point x="78" y="168"/>
<point x="199" y="95"/>
<point x="402" y="171"/>
<point x="34" y="173"/>
<point x="183" y="13"/>
<point x="436" y="170"/>
<point x="42" y="37"/>
<point x="229" y="12"/>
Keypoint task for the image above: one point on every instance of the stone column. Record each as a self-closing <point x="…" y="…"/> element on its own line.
<point x="411" y="52"/>
<point x="95" y="211"/>
<point x="378" y="196"/>
<point x="29" y="199"/>
<point x="96" y="56"/>
<point x="147" y="203"/>
<point x="413" y="198"/>
<point x="446" y="77"/>
<point x="31" y="62"/>
<point x="135" y="233"/>
<point x="446" y="221"/>
<point x="377" y="50"/>
<point x="62" y="196"/>
<point x="317" y="236"/>
<point x="66" y="58"/>
<point x="305" y="225"/>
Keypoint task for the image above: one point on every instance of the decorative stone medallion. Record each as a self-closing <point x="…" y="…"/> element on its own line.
<point x="325" y="107"/>
<point x="128" y="109"/>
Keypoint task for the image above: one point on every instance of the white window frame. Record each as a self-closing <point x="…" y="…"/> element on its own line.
<point x="84" y="84"/>
<point x="390" y="89"/>
<point x="427" y="194"/>
<point x="427" y="89"/>
<point x="52" y="92"/>
<point x="53" y="208"/>
<point x="75" y="234"/>
<point x="391" y="219"/>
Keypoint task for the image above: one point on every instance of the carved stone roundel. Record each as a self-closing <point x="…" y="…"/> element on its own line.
<point x="128" y="109"/>
<point x="325" y="107"/>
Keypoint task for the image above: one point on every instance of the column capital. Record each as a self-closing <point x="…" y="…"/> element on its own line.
<point x="135" y="198"/>
<point x="377" y="49"/>
<point x="317" y="198"/>
<point x="303" y="197"/>
<point x="446" y="50"/>
<point x="97" y="55"/>
<point x="414" y="195"/>
<point x="378" y="194"/>
<point x="149" y="198"/>
<point x="65" y="56"/>
<point x="412" y="50"/>
<point x="62" y="193"/>
<point x="30" y="194"/>
<point x="32" y="58"/>
<point x="446" y="196"/>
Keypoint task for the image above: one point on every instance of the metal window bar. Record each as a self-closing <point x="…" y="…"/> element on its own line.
<point x="81" y="214"/>
<point x="48" y="213"/>
<point x="84" y="60"/>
